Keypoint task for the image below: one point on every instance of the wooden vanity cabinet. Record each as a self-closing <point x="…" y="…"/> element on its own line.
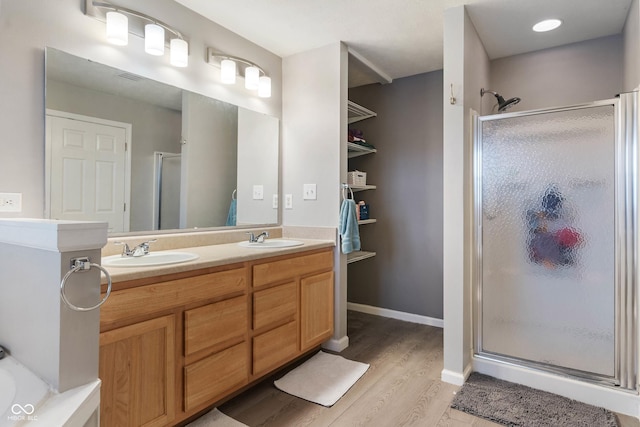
<point x="174" y="345"/>
<point x="137" y="369"/>
<point x="280" y="331"/>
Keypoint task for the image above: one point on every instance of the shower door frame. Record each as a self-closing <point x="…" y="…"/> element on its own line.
<point x="625" y="243"/>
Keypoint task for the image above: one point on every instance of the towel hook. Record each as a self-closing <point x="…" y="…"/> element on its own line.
<point x="346" y="187"/>
<point x="233" y="195"/>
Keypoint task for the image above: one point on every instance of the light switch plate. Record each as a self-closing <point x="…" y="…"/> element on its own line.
<point x="274" y="203"/>
<point x="309" y="192"/>
<point x="258" y="192"/>
<point x="288" y="201"/>
<point x="10" y="202"/>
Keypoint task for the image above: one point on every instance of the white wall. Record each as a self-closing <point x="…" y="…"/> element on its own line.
<point x="466" y="66"/>
<point x="311" y="134"/>
<point x="314" y="151"/>
<point x="28" y="26"/>
<point x="631" y="35"/>
<point x="209" y="160"/>
<point x="258" y="154"/>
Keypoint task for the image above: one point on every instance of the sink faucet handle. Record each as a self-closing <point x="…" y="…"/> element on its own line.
<point x="143" y="248"/>
<point x="125" y="250"/>
<point x="252" y="237"/>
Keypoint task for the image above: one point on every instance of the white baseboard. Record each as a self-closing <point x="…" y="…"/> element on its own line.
<point x="624" y="402"/>
<point x="336" y="345"/>
<point x="455" y="378"/>
<point x="393" y="314"/>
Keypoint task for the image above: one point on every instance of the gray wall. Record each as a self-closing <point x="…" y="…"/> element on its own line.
<point x="406" y="274"/>
<point x="571" y="74"/>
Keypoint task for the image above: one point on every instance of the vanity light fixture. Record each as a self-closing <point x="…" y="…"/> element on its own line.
<point x="251" y="77"/>
<point x="264" y="87"/>
<point x="121" y="21"/>
<point x="546" y="25"/>
<point x="154" y="39"/>
<point x="255" y="77"/>
<point x="228" y="71"/>
<point x="117" y="28"/>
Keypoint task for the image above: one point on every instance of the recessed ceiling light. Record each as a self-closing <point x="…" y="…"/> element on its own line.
<point x="547" y="25"/>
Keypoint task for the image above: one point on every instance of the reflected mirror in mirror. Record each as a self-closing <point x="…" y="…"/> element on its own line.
<point x="144" y="156"/>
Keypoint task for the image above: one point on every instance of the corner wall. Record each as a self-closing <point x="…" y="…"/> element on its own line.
<point x="314" y="151"/>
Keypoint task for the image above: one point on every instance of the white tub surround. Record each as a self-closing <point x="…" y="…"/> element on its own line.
<point x="56" y="343"/>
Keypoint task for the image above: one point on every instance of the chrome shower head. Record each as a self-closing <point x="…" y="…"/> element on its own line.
<point x="502" y="104"/>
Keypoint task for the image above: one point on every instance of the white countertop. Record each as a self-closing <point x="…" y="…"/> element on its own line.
<point x="212" y="256"/>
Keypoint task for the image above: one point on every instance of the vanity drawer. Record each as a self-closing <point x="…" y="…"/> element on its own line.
<point x="274" y="348"/>
<point x="140" y="301"/>
<point x="274" y="305"/>
<point x="275" y="271"/>
<point x="216" y="376"/>
<point x="214" y="324"/>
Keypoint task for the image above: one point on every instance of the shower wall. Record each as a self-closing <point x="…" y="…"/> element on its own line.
<point x="565" y="75"/>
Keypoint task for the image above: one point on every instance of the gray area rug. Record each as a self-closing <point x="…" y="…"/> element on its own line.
<point x="517" y="405"/>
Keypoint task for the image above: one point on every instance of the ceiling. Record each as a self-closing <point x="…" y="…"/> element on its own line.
<point x="405" y="37"/>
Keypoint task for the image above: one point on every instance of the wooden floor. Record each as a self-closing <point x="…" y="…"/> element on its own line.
<point x="401" y="388"/>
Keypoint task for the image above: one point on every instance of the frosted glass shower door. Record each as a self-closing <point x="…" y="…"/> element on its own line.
<point x="546" y="218"/>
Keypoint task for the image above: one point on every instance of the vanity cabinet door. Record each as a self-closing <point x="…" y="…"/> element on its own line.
<point x="316" y="310"/>
<point x="137" y="370"/>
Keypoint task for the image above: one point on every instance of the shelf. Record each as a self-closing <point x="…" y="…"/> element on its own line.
<point x="357" y="112"/>
<point x="355" y="150"/>
<point x="359" y="256"/>
<point x="367" y="221"/>
<point x="355" y="188"/>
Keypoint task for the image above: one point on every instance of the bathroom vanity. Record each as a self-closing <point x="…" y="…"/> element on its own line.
<point x="176" y="340"/>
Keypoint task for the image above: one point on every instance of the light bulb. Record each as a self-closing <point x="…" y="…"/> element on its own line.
<point x="264" y="88"/>
<point x="228" y="71"/>
<point x="154" y="39"/>
<point x="117" y="28"/>
<point x="179" y="54"/>
<point x="251" y="77"/>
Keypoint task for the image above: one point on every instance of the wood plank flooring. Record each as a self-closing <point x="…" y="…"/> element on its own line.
<point x="401" y="388"/>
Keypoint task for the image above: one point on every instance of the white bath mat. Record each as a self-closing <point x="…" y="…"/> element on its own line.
<point x="323" y="379"/>
<point x="215" y="418"/>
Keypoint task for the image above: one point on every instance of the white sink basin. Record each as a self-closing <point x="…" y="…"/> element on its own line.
<point x="271" y="244"/>
<point x="153" y="258"/>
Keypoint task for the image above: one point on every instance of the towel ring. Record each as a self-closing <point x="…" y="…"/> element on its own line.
<point x="83" y="264"/>
<point x="344" y="194"/>
<point x="233" y="195"/>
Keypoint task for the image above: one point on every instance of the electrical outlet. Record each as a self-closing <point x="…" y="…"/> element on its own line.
<point x="258" y="192"/>
<point x="288" y="201"/>
<point x="274" y="203"/>
<point x="10" y="202"/>
<point x="309" y="192"/>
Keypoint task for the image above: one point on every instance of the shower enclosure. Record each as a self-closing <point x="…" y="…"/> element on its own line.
<point x="555" y="240"/>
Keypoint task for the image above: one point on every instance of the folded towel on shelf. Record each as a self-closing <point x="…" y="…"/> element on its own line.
<point x="233" y="212"/>
<point x="348" y="227"/>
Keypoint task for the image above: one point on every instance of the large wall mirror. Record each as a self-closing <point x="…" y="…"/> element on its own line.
<point x="144" y="156"/>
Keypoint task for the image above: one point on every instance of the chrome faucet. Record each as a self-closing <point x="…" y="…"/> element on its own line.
<point x="259" y="238"/>
<point x="139" y="250"/>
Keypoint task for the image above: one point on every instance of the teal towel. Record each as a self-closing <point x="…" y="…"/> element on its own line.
<point x="348" y="227"/>
<point x="231" y="217"/>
